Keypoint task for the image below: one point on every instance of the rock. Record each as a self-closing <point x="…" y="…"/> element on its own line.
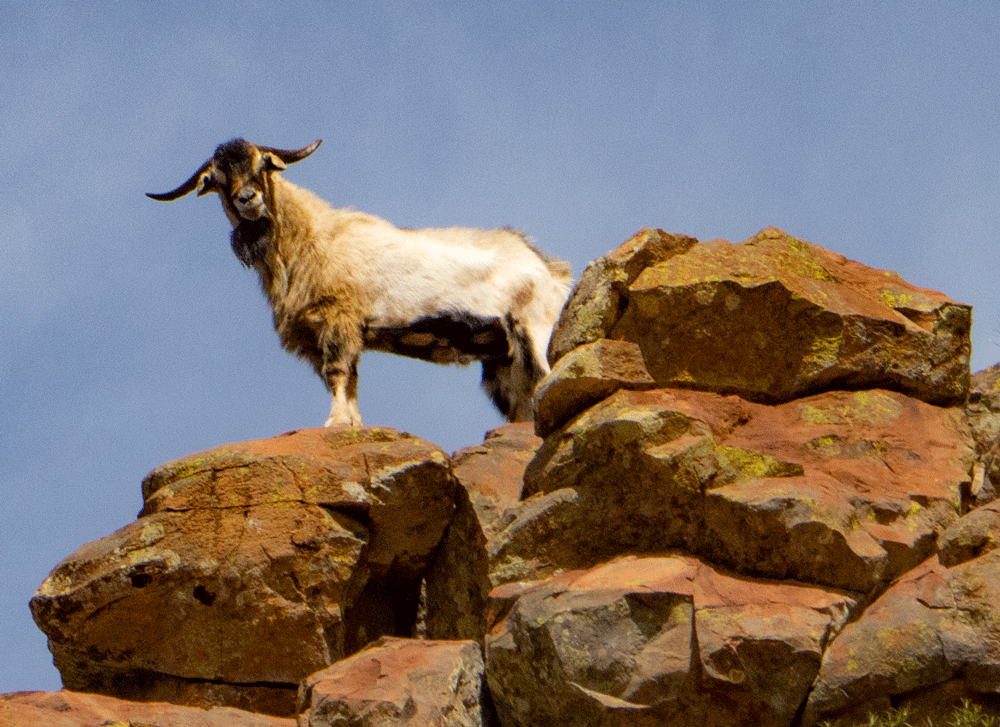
<point x="71" y="709"/>
<point x="658" y="640"/>
<point x="597" y="301"/>
<point x="493" y="472"/>
<point x="935" y="625"/>
<point x="586" y="375"/>
<point x="772" y="319"/>
<point x="457" y="582"/>
<point x="251" y="566"/>
<point x="399" y="682"/>
<point x="971" y="536"/>
<point x="983" y="407"/>
<point x="842" y="489"/>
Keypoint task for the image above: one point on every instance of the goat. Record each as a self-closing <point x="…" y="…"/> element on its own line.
<point x="341" y="281"/>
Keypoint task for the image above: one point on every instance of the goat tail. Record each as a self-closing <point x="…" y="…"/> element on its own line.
<point x="510" y="382"/>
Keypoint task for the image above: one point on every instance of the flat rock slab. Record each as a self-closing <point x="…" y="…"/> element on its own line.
<point x="771" y="319"/>
<point x="657" y="640"/>
<point x="399" y="682"/>
<point x="252" y="566"/>
<point x="843" y="489"/>
<point x="72" y="709"/>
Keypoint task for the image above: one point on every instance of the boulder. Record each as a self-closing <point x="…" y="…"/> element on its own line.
<point x="457" y="582"/>
<point x="772" y="319"/>
<point x="399" y="682"/>
<point x="983" y="407"/>
<point x="935" y="625"/>
<point x="971" y="536"/>
<point x="493" y="472"/>
<point x="72" y="709"/>
<point x="842" y="489"/>
<point x="585" y="376"/>
<point x="658" y="640"/>
<point x="251" y="566"/>
<point x="596" y="302"/>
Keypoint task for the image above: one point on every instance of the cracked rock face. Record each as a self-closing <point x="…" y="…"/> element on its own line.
<point x="771" y="319"/>
<point x="842" y="489"/>
<point x="658" y="640"/>
<point x="399" y="682"/>
<point x="251" y="566"/>
<point x="937" y="624"/>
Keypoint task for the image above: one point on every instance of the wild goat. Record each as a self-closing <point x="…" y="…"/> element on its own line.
<point x="341" y="281"/>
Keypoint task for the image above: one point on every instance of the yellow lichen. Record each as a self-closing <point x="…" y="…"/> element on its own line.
<point x="894" y="298"/>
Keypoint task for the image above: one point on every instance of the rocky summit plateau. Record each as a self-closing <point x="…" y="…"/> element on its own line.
<point x="760" y="488"/>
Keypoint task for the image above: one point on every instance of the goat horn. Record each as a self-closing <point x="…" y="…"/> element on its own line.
<point x="185" y="188"/>
<point x="290" y="156"/>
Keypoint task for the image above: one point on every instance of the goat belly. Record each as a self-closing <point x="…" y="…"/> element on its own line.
<point x="446" y="338"/>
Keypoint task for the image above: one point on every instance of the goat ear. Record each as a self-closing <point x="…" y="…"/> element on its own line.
<point x="290" y="156"/>
<point x="271" y="162"/>
<point x="207" y="183"/>
<point x="200" y="180"/>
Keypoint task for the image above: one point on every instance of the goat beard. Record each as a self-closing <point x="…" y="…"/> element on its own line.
<point x="249" y="240"/>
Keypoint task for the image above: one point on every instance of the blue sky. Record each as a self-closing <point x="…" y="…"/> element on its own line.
<point x="132" y="336"/>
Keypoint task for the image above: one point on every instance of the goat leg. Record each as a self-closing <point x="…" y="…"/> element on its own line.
<point x="339" y="370"/>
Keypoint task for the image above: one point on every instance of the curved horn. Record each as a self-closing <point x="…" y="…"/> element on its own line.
<point x="290" y="156"/>
<point x="188" y="186"/>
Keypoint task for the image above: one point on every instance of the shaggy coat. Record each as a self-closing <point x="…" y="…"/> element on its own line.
<point x="341" y="281"/>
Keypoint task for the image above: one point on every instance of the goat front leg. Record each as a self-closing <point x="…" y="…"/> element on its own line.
<point x="339" y="371"/>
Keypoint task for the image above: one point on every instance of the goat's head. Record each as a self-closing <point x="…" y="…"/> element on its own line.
<point x="239" y="173"/>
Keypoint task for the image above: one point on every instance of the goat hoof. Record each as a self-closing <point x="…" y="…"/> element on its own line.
<point x="346" y="423"/>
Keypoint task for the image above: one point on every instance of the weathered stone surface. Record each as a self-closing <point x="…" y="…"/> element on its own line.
<point x="399" y="682"/>
<point x="983" y="408"/>
<point x="937" y="624"/>
<point x="493" y="472"/>
<point x="845" y="489"/>
<point x="658" y="640"/>
<point x="586" y="375"/>
<point x="971" y="536"/>
<point x="252" y="565"/>
<point x="771" y="319"/>
<point x="599" y="297"/>
<point x="457" y="583"/>
<point x="72" y="709"/>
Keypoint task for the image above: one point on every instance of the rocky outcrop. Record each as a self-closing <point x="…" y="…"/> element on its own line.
<point x="769" y="407"/>
<point x="658" y="640"/>
<point x="772" y="319"/>
<point x="400" y="682"/>
<point x="252" y="566"/>
<point x="829" y="489"/>
<point x="759" y="490"/>
<point x="935" y="625"/>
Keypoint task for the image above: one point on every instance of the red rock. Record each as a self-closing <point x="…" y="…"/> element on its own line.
<point x="596" y="302"/>
<point x="983" y="407"/>
<point x="770" y="319"/>
<point x="583" y="377"/>
<point x="935" y="625"/>
<point x="72" y="709"/>
<point x="493" y="472"/>
<point x="399" y="682"/>
<point x="252" y="566"/>
<point x="828" y="490"/>
<point x="971" y="536"/>
<point x="658" y="640"/>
